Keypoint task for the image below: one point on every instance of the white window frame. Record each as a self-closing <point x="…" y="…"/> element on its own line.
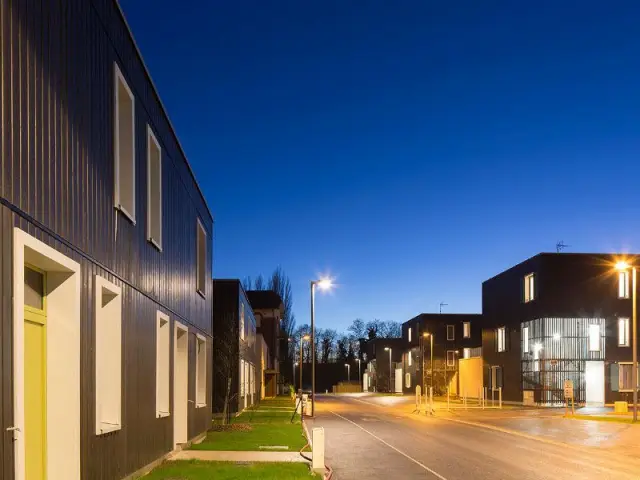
<point x="466" y="329"/>
<point x="119" y="79"/>
<point x="201" y="371"/>
<point x="620" y="376"/>
<point x="525" y="340"/>
<point x="152" y="142"/>
<point x="201" y="288"/>
<point x="108" y="357"/>
<point x="529" y="288"/>
<point x="163" y="367"/>
<point x="501" y="339"/>
<point x="451" y="358"/>
<point x="409" y="334"/>
<point x="451" y="332"/>
<point x="623" y="332"/>
<point x="409" y="359"/>
<point x="623" y="284"/>
<point x="594" y="337"/>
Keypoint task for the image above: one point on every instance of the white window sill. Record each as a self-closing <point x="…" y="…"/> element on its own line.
<point x="625" y="345"/>
<point x="630" y="390"/>
<point x="131" y="217"/>
<point x="201" y="293"/>
<point x="155" y="244"/>
<point x="201" y="405"/>
<point x="162" y="414"/>
<point x="107" y="428"/>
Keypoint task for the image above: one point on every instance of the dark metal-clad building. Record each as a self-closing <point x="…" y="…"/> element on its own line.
<point x="237" y="361"/>
<point x="105" y="253"/>
<point x="557" y="317"/>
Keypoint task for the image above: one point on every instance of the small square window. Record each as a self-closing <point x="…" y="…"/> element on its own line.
<point x="623" y="284"/>
<point x="466" y="329"/>
<point x="154" y="190"/>
<point x="451" y="332"/>
<point x="124" y="146"/>
<point x="201" y="260"/>
<point x="529" y="288"/>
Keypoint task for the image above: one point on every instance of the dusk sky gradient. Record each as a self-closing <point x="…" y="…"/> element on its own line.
<point x="411" y="149"/>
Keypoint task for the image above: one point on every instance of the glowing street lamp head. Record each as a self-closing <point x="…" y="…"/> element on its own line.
<point x="306" y="338"/>
<point x="387" y="349"/>
<point x="425" y="334"/>
<point x="324" y="283"/>
<point x="621" y="266"/>
<point x="346" y="365"/>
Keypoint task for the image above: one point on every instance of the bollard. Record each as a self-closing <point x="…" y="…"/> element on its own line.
<point x="317" y="454"/>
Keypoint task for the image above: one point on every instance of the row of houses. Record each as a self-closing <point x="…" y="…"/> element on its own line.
<point x="107" y="306"/>
<point x="551" y="318"/>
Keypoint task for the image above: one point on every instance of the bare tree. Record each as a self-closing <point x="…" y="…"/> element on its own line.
<point x="259" y="283"/>
<point x="227" y="352"/>
<point x="391" y="329"/>
<point x="343" y="348"/>
<point x="247" y="283"/>
<point x="279" y="283"/>
<point x="327" y="344"/>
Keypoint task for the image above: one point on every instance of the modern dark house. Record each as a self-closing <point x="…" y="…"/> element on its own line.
<point x="268" y="309"/>
<point x="557" y="317"/>
<point x="382" y="363"/>
<point x="455" y="337"/>
<point x="105" y="253"/>
<point x="237" y="362"/>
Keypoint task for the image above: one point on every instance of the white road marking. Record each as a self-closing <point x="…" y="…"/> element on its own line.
<point x="432" y="472"/>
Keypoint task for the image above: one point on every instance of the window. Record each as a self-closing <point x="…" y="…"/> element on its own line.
<point x="407" y="380"/>
<point x="594" y="338"/>
<point x="466" y="329"/>
<point x="242" y="321"/>
<point x="409" y="359"/>
<point x="623" y="284"/>
<point x="201" y="371"/>
<point x="242" y="392"/>
<point x="467" y="353"/>
<point x="451" y="332"/>
<point x="525" y="339"/>
<point x="201" y="259"/>
<point x="409" y="334"/>
<point x="451" y="358"/>
<point x="154" y="190"/>
<point x="501" y="339"/>
<point x="162" y="365"/>
<point x="124" y="147"/>
<point x="529" y="288"/>
<point x="108" y="305"/>
<point x="626" y="376"/>
<point x="496" y="377"/>
<point x="623" y="332"/>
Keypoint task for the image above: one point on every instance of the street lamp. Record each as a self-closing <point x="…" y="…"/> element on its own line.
<point x="623" y="267"/>
<point x="348" y="372"/>
<point x="425" y="335"/>
<point x="305" y="338"/>
<point x="389" y="349"/>
<point x="293" y="361"/>
<point x="323" y="284"/>
<point x="294" y="375"/>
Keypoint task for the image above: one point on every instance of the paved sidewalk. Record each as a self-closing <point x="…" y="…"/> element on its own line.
<point x="220" y="456"/>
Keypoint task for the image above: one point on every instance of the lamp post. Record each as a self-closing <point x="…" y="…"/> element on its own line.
<point x="304" y="337"/>
<point x="358" y="360"/>
<point x="425" y="335"/>
<point x="324" y="284"/>
<point x="623" y="267"/>
<point x="385" y="349"/>
<point x="348" y="371"/>
<point x="294" y="375"/>
<point x="293" y="361"/>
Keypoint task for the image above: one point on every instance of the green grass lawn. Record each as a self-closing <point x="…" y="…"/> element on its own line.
<point x="196" y="470"/>
<point x="261" y="434"/>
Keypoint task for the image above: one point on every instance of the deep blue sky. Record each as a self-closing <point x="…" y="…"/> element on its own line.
<point x="412" y="149"/>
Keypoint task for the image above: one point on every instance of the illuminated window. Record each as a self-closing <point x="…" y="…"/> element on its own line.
<point x="409" y="334"/>
<point x="409" y="359"/>
<point x="451" y="333"/>
<point x="529" y="288"/>
<point x="623" y="284"/>
<point x="407" y="380"/>
<point x="623" y="332"/>
<point x="201" y="259"/>
<point x="201" y="371"/>
<point x="154" y="190"/>
<point x="242" y="321"/>
<point x="467" y="353"/>
<point x="124" y="147"/>
<point x="525" y="339"/>
<point x="501" y="339"/>
<point x="594" y="338"/>
<point x="451" y="358"/>
<point x="466" y="329"/>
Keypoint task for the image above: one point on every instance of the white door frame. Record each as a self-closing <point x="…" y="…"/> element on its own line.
<point x="180" y="376"/>
<point x="63" y="356"/>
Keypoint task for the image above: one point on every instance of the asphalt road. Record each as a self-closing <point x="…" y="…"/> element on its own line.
<point x="365" y="441"/>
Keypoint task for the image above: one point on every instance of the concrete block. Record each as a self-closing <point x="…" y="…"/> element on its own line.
<point x="317" y="456"/>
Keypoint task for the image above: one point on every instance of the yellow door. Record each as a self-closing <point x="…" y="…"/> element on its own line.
<point x="35" y="374"/>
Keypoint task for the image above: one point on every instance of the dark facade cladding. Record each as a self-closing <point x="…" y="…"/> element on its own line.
<point x="568" y="329"/>
<point x="231" y="313"/>
<point x="376" y="360"/>
<point x="57" y="180"/>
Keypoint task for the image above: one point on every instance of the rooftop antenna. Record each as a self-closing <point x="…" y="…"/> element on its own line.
<point x="561" y="246"/>
<point x="442" y="304"/>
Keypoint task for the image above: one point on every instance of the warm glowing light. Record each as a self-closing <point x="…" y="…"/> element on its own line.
<point x="426" y="334"/>
<point x="325" y="283"/>
<point x="622" y="266"/>
<point x="537" y="347"/>
<point x="306" y="338"/>
<point x="346" y="364"/>
<point x="556" y="336"/>
<point x="386" y="349"/>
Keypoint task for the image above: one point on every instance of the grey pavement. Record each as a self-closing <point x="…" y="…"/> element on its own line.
<point x="366" y="439"/>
